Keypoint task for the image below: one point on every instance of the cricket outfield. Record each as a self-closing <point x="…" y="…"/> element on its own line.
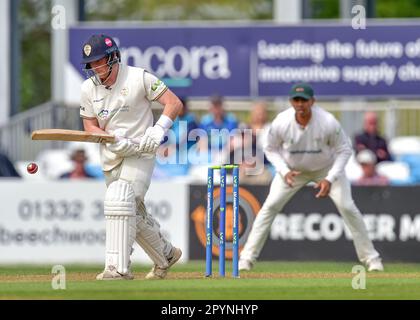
<point x="269" y="280"/>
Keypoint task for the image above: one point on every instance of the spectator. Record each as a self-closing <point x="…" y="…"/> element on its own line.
<point x="218" y="119"/>
<point x="183" y="125"/>
<point x="259" y="123"/>
<point x="370" y="138"/>
<point x="251" y="142"/>
<point x="79" y="159"/>
<point x="263" y="178"/>
<point x="7" y="168"/>
<point x="370" y="177"/>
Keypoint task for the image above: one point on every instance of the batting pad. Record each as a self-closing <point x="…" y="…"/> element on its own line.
<point x="148" y="236"/>
<point x="119" y="208"/>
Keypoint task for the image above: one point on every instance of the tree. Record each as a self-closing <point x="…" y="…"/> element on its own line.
<point x="175" y="10"/>
<point x="34" y="21"/>
<point x="397" y="9"/>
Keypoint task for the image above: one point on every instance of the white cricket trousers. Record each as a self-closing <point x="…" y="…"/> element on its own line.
<point x="138" y="172"/>
<point x="280" y="193"/>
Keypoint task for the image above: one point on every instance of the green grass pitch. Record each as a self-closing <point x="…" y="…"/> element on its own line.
<point x="269" y="280"/>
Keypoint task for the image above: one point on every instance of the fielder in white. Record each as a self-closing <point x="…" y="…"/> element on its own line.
<point x="307" y="144"/>
<point x="116" y="99"/>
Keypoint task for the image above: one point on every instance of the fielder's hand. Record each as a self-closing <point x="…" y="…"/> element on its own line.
<point x="151" y="139"/>
<point x="324" y="186"/>
<point x="290" y="177"/>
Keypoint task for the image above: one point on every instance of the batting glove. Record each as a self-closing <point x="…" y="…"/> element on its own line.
<point x="151" y="139"/>
<point x="124" y="147"/>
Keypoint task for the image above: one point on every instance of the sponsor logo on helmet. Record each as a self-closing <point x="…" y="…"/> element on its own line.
<point x="87" y="49"/>
<point x="108" y="42"/>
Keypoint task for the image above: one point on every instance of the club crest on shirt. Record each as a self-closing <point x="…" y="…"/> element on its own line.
<point x="103" y="114"/>
<point x="87" y="49"/>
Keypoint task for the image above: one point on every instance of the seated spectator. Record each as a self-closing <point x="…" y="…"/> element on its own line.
<point x="183" y="125"/>
<point x="259" y="124"/>
<point x="263" y="178"/>
<point x="370" y="177"/>
<point x="251" y="171"/>
<point x="252" y="137"/>
<point x="7" y="169"/>
<point x="218" y="119"/>
<point x="370" y="138"/>
<point x="79" y="159"/>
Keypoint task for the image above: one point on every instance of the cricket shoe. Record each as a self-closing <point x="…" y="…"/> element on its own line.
<point x="245" y="265"/>
<point x="111" y="273"/>
<point x="375" y="265"/>
<point x="160" y="273"/>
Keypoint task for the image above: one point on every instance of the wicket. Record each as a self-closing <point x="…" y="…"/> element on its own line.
<point x="222" y="220"/>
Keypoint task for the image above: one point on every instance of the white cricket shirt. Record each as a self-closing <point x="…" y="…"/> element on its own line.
<point x="321" y="144"/>
<point x="125" y="105"/>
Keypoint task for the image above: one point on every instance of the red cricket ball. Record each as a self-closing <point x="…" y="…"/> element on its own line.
<point x="32" y="168"/>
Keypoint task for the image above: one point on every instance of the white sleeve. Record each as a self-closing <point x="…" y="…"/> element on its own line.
<point x="341" y="143"/>
<point x="272" y="147"/>
<point x="154" y="86"/>
<point x="86" y="108"/>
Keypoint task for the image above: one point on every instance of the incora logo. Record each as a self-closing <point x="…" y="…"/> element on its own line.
<point x="181" y="62"/>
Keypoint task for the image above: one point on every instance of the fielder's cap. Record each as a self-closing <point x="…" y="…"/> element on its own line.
<point x="366" y="156"/>
<point x="97" y="47"/>
<point x="301" y="90"/>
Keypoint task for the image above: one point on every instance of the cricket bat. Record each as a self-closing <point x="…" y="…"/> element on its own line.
<point x="71" y="135"/>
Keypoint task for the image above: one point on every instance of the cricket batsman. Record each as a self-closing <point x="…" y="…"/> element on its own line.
<point x="116" y="99"/>
<point x="307" y="144"/>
